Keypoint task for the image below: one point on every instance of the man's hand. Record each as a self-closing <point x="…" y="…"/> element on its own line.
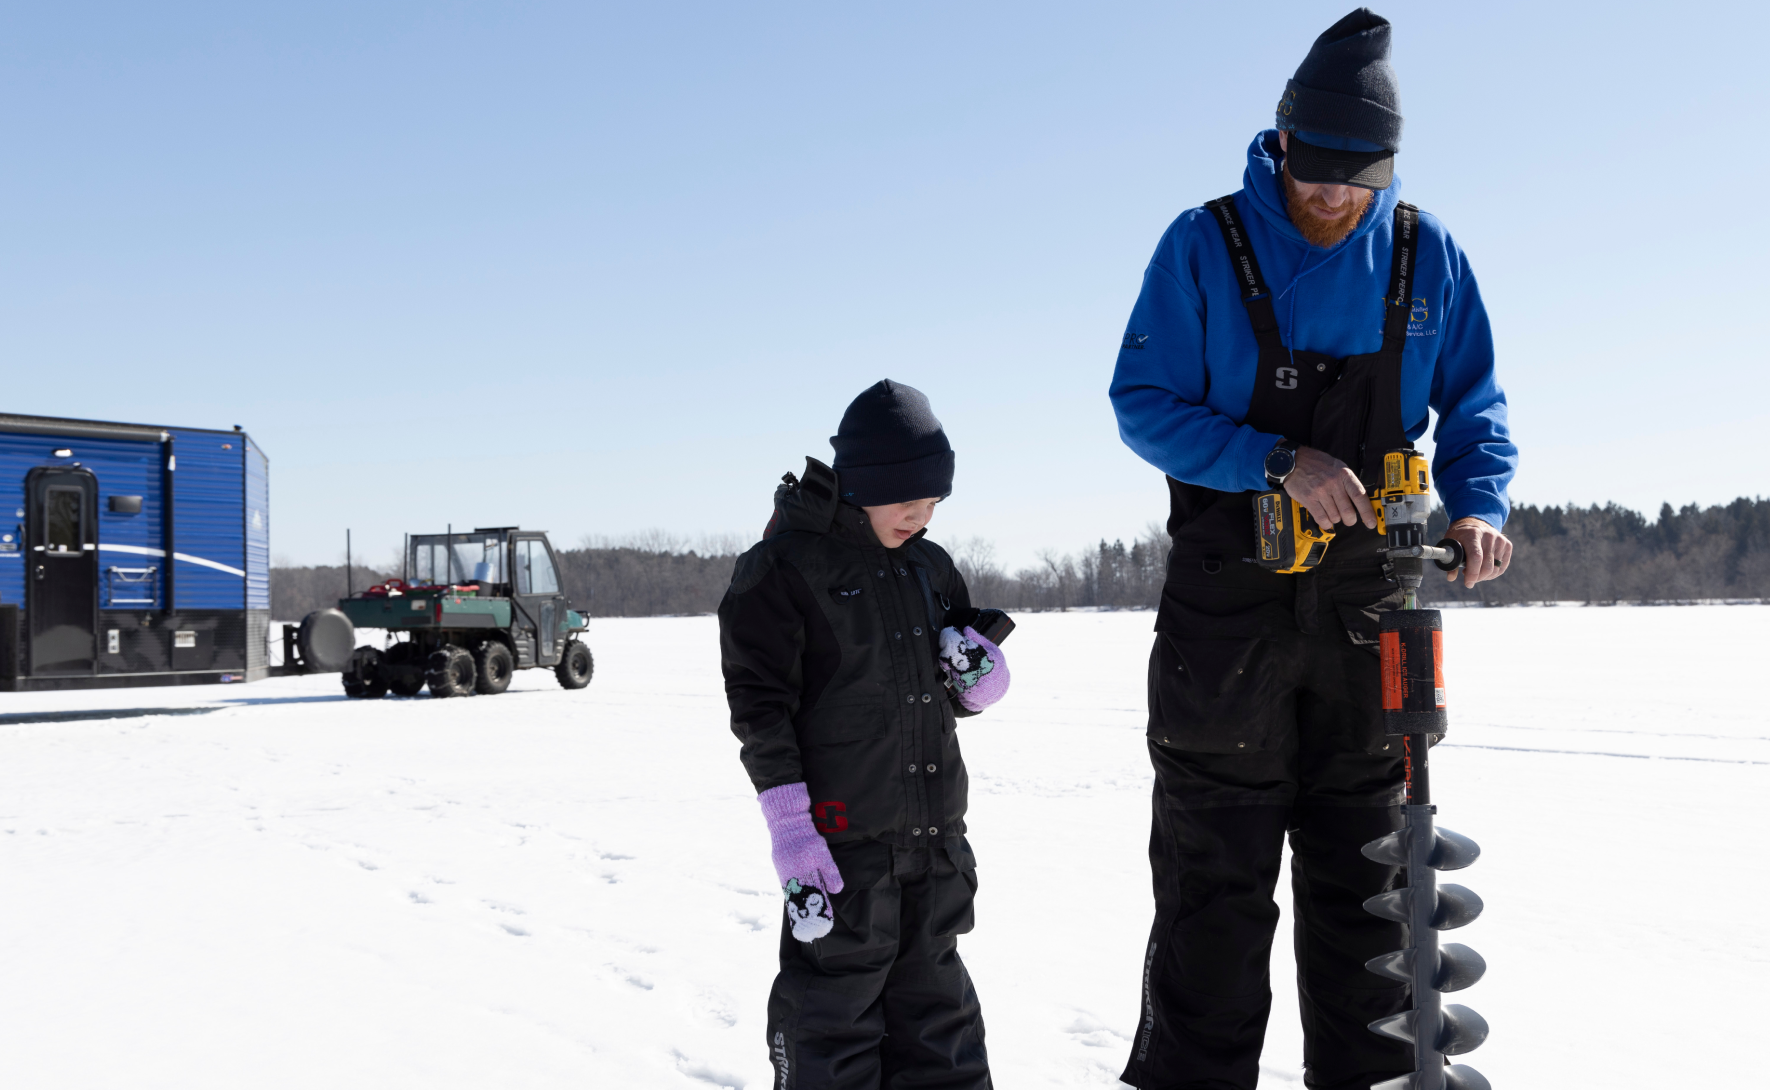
<point x="1331" y="491"/>
<point x="1486" y="551"/>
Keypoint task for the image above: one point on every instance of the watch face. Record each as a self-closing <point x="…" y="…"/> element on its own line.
<point x="1280" y="461"/>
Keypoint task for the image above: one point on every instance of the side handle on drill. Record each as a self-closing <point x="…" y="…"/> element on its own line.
<point x="1447" y="554"/>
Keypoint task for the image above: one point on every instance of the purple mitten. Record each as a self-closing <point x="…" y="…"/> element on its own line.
<point x="975" y="666"/>
<point x="801" y="860"/>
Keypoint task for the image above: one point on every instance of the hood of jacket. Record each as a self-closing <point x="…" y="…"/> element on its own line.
<point x="1263" y="182"/>
<point x="811" y="503"/>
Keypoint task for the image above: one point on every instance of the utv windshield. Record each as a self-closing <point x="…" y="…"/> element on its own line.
<point x="438" y="559"/>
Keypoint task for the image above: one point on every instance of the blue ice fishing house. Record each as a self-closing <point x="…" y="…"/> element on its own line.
<point x="136" y="555"/>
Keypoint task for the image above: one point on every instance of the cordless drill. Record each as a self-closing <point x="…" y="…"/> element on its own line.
<point x="1404" y="503"/>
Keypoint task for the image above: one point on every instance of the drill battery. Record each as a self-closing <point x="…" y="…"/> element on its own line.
<point x="1290" y="540"/>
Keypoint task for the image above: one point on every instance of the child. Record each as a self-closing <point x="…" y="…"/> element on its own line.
<point x="848" y="656"/>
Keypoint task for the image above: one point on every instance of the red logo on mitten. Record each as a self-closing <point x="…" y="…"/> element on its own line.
<point x="830" y="817"/>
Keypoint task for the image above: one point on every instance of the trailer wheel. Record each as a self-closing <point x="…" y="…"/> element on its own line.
<point x="451" y="672"/>
<point x="494" y="666"/>
<point x="403" y="667"/>
<point x="575" y="666"/>
<point x="362" y="675"/>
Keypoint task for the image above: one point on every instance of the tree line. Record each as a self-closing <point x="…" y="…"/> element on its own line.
<point x="1606" y="555"/>
<point x="1596" y="555"/>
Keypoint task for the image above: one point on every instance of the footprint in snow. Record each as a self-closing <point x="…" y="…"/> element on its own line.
<point x="705" y="1072"/>
<point x="715" y="1008"/>
<point x="1087" y="1030"/>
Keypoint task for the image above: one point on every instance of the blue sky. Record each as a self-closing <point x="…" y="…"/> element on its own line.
<point x="599" y="269"/>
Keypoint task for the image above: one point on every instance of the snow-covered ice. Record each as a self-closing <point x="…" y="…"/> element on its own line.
<point x="282" y="888"/>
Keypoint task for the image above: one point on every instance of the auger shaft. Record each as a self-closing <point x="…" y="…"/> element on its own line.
<point x="1422" y="880"/>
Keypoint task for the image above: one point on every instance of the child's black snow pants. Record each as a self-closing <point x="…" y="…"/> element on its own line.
<point x="883" y="1000"/>
<point x="1218" y="835"/>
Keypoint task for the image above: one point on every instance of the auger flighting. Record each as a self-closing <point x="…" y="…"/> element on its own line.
<point x="1411" y="642"/>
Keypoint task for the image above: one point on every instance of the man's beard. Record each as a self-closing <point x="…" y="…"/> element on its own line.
<point x="1320" y="229"/>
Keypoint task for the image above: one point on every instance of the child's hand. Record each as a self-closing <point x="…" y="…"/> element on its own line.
<point x="808" y="911"/>
<point x="802" y="861"/>
<point x="975" y="666"/>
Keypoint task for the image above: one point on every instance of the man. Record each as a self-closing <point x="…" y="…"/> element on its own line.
<point x="1342" y="318"/>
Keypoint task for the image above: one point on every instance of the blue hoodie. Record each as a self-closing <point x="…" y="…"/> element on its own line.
<point x="1181" y="396"/>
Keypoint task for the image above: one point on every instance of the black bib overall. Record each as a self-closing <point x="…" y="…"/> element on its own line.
<point x="1217" y="611"/>
<point x="1265" y="719"/>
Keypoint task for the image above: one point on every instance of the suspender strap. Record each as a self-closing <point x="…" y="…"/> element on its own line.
<point x="1246" y="268"/>
<point x="1241" y="251"/>
<point x="1401" y="275"/>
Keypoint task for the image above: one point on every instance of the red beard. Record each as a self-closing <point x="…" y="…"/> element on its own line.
<point x="1318" y="225"/>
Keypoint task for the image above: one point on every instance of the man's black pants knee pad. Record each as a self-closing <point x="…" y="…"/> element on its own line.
<point x="883" y="1000"/>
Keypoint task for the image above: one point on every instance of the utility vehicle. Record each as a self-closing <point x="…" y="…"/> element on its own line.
<point x="470" y="611"/>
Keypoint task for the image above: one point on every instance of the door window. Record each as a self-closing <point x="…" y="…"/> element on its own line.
<point x="534" y="568"/>
<point x="62" y="509"/>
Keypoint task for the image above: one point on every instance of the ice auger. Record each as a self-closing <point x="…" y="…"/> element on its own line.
<point x="1411" y="642"/>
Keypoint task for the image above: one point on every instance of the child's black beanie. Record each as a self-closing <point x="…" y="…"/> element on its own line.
<point x="891" y="449"/>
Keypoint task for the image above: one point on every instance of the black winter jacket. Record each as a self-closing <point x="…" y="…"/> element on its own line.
<point x="829" y="644"/>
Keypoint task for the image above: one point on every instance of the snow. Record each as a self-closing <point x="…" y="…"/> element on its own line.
<point x="282" y="888"/>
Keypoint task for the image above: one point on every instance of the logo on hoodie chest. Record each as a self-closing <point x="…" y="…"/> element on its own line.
<point x="1419" y="321"/>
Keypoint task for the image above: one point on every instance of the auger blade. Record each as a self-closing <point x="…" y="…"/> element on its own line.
<point x="1390" y="849"/>
<point x="1392" y="905"/>
<point x="1456" y="1077"/>
<point x="1457" y="906"/>
<point x="1463" y="1031"/>
<point x="1464" y="1077"/>
<point x="1453" y="851"/>
<point x="1458" y="967"/>
<point x="1399" y="1026"/>
<point x="1396" y="966"/>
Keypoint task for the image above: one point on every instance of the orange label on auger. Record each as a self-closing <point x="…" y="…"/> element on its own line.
<point x="1438" y="667"/>
<point x="1389" y="643"/>
<point x="1410" y="683"/>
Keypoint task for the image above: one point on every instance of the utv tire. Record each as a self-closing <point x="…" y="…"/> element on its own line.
<point x="575" y="666"/>
<point x="450" y="672"/>
<point x="494" y="666"/>
<point x="403" y="669"/>
<point x="362" y="675"/>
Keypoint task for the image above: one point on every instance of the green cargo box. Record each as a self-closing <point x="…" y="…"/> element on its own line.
<point x="410" y="611"/>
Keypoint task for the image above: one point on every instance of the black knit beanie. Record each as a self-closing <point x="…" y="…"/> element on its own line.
<point x="1345" y="105"/>
<point x="890" y="449"/>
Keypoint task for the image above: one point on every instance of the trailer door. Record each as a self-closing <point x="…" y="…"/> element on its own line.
<point x="61" y="577"/>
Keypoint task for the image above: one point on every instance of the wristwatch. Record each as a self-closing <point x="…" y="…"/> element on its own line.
<point x="1280" y="460"/>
